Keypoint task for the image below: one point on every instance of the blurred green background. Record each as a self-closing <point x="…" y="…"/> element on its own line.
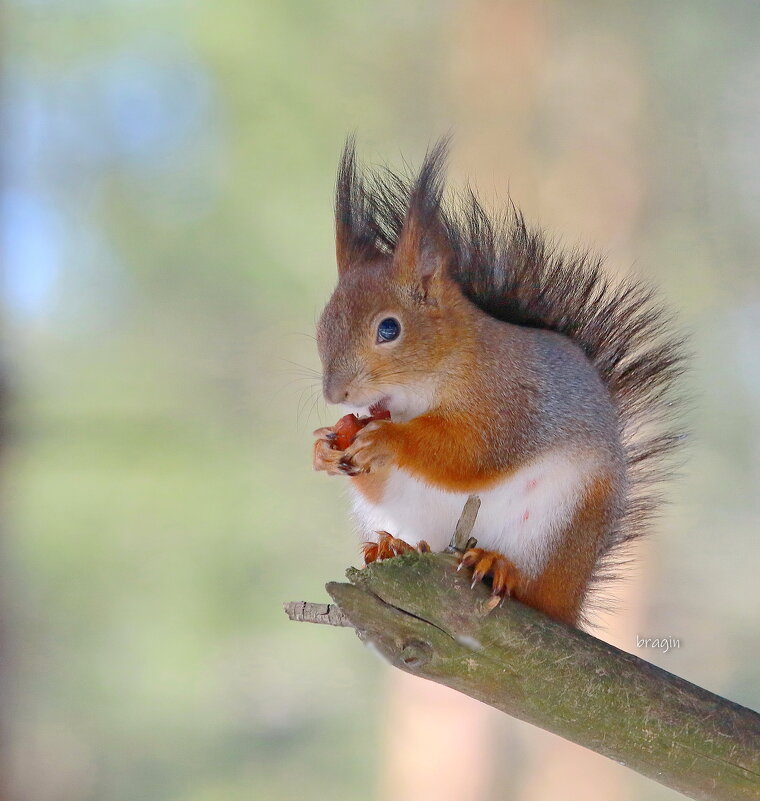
<point x="167" y="246"/>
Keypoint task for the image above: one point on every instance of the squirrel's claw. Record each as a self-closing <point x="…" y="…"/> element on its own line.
<point x="348" y="468"/>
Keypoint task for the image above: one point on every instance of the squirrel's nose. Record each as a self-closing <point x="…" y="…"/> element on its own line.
<point x="335" y="388"/>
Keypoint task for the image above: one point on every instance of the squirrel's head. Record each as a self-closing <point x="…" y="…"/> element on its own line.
<point x="385" y="336"/>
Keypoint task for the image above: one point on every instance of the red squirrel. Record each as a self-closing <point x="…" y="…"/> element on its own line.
<point x="509" y="370"/>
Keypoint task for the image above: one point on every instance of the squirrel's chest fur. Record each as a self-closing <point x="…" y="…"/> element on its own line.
<point x="520" y="516"/>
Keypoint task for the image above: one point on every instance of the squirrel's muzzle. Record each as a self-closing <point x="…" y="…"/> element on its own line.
<point x="335" y="387"/>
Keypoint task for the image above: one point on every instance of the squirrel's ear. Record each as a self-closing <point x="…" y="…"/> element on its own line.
<point x="355" y="228"/>
<point x="424" y="250"/>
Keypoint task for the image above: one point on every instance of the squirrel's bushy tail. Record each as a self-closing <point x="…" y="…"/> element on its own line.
<point x="514" y="273"/>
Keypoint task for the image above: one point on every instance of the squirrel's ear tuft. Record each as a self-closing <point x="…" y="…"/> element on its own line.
<point x="423" y="253"/>
<point x="355" y="226"/>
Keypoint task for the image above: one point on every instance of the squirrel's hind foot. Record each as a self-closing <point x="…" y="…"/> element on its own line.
<point x="388" y="546"/>
<point x="491" y="565"/>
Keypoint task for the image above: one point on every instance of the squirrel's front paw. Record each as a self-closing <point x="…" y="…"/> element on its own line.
<point x="371" y="448"/>
<point x="327" y="457"/>
<point x="330" y="459"/>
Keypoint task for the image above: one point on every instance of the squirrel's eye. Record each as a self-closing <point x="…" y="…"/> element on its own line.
<point x="388" y="329"/>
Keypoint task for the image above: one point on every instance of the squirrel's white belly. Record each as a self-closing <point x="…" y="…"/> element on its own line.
<point x="518" y="517"/>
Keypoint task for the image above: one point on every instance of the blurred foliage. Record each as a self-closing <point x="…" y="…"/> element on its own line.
<point x="168" y="245"/>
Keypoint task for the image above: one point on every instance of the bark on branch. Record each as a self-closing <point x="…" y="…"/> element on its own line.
<point x="422" y="615"/>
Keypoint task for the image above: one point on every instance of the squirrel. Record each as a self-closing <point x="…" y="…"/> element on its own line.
<point x="509" y="370"/>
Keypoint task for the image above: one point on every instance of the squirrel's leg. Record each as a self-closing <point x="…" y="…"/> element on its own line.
<point x="388" y="546"/>
<point x="558" y="592"/>
<point x="560" y="589"/>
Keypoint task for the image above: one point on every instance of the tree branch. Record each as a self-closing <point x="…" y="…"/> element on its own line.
<point x="424" y="618"/>
<point x="306" y="612"/>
